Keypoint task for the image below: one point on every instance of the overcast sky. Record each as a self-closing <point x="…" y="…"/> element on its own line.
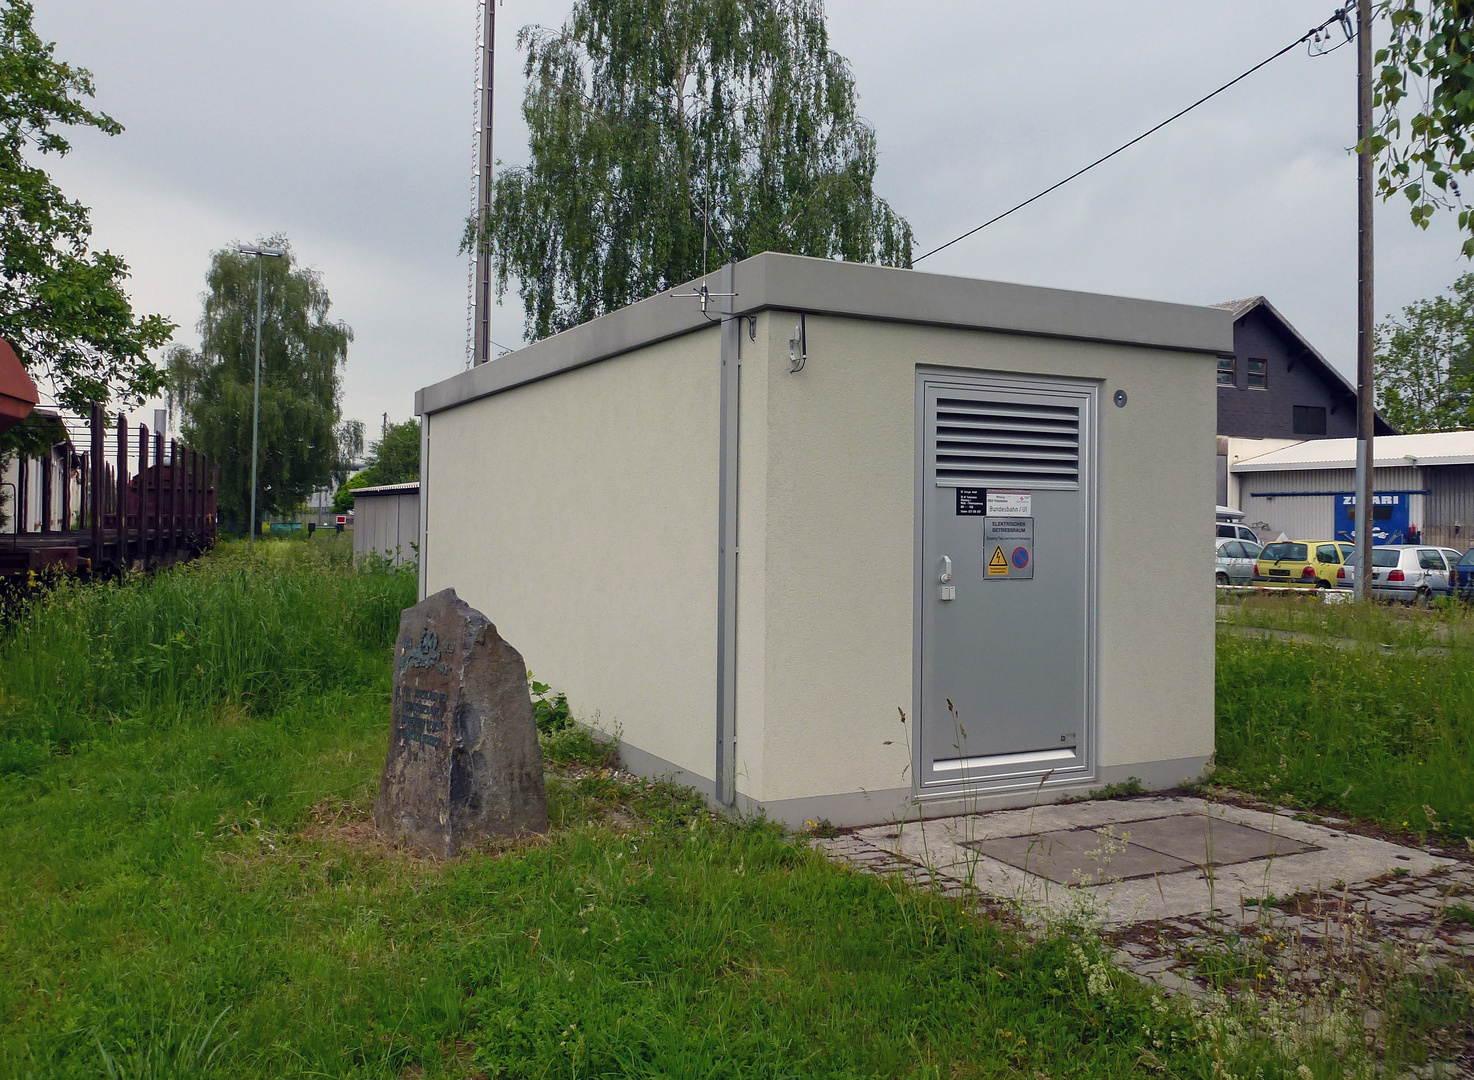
<point x="347" y="125"/>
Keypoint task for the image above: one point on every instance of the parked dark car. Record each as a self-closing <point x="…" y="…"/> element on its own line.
<point x="1464" y="576"/>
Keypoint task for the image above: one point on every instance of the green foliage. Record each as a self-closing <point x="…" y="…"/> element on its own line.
<point x="1459" y="913"/>
<point x="574" y="744"/>
<point x="393" y="459"/>
<point x="1429" y="62"/>
<point x="1388" y="738"/>
<point x="61" y="305"/>
<point x="550" y="709"/>
<point x="658" y="130"/>
<point x="224" y="632"/>
<point x="1425" y="363"/>
<point x="200" y="892"/>
<point x="302" y="354"/>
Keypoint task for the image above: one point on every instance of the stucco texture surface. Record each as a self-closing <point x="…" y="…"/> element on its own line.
<point x="839" y="547"/>
<point x="579" y="513"/>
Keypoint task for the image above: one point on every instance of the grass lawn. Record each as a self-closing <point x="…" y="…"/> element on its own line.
<point x="1386" y="736"/>
<point x="190" y="886"/>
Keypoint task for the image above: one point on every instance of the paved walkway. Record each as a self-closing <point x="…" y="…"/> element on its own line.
<point x="1163" y="872"/>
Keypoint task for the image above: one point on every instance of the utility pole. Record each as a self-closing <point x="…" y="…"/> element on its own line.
<point x="1365" y="380"/>
<point x="481" y="348"/>
<point x="262" y="254"/>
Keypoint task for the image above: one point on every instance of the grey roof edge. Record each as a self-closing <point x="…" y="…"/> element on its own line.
<point x="773" y="281"/>
<point x="388" y="489"/>
<point x="1342" y="464"/>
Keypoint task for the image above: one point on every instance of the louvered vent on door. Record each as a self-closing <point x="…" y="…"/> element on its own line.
<point x="1007" y="443"/>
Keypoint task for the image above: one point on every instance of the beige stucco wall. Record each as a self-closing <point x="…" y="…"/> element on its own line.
<point x="580" y="514"/>
<point x="838" y="549"/>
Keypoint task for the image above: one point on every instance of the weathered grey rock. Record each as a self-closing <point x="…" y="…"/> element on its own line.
<point x="464" y="763"/>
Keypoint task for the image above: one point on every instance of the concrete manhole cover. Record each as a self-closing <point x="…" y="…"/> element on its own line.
<point x="1137" y="849"/>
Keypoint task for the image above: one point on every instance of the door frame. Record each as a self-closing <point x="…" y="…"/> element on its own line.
<point x="928" y="375"/>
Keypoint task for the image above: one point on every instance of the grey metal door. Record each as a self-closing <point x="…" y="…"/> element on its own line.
<point x="1005" y="590"/>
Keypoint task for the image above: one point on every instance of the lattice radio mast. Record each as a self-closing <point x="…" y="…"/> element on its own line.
<point x="479" y="305"/>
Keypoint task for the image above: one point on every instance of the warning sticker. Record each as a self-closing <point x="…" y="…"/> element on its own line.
<point x="1008" y="548"/>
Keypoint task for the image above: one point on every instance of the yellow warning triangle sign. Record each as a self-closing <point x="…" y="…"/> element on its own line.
<point x="997" y="565"/>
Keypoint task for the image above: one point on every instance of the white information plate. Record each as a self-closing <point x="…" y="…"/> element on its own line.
<point x="1003" y="502"/>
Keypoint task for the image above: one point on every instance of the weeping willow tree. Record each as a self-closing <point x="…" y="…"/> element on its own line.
<point x="667" y="136"/>
<point x="302" y="355"/>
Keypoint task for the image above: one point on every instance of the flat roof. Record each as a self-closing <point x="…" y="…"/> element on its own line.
<point x="387" y="489"/>
<point x="1389" y="451"/>
<point x="797" y="283"/>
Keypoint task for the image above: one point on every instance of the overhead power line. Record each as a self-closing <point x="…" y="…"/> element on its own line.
<point x="1341" y="16"/>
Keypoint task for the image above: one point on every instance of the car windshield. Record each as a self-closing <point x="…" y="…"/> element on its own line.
<point x="1277" y="551"/>
<point x="1468" y="559"/>
<point x="1384" y="557"/>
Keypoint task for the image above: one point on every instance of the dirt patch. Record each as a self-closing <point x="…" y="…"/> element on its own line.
<point x="353" y="827"/>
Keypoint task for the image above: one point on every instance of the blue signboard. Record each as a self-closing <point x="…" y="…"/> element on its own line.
<point x="1389" y="517"/>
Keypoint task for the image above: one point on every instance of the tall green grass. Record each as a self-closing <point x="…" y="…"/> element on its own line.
<point x="1383" y="737"/>
<point x="231" y="632"/>
<point x="191" y="887"/>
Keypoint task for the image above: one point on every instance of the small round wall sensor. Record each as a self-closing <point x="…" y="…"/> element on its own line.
<point x="1120" y="399"/>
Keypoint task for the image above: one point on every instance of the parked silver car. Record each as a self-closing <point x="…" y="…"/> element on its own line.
<point x="1411" y="573"/>
<point x="1236" y="531"/>
<point x="1234" y="564"/>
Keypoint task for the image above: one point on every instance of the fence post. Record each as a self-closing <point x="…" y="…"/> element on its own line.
<point x="66" y="487"/>
<point x="22" y="494"/>
<point x="95" y="484"/>
<point x="122" y="479"/>
<point x="158" y="495"/>
<point x="194" y="496"/>
<point x="142" y="499"/>
<point x="174" y="495"/>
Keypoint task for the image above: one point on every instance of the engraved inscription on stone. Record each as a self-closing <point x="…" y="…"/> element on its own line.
<point x="464" y="762"/>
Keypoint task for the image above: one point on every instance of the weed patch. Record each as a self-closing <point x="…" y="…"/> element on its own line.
<point x="1389" y="739"/>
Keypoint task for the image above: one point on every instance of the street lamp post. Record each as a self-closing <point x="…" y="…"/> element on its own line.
<point x="261" y="254"/>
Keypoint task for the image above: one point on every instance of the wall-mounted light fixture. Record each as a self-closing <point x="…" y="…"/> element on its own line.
<point x="798" y="346"/>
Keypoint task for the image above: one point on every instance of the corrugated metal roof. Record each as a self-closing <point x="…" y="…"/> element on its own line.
<point x="1433" y="448"/>
<point x="388" y="489"/>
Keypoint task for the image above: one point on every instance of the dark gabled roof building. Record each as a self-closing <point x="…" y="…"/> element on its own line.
<point x="1276" y="385"/>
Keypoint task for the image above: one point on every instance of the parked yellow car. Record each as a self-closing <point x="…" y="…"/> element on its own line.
<point x="1311" y="563"/>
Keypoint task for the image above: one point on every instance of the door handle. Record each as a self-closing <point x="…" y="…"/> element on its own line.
<point x="946" y="569"/>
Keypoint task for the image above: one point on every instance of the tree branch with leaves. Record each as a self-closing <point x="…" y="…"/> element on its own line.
<point x="667" y="136"/>
<point x="1424" y="97"/>
<point x="62" y="305"/>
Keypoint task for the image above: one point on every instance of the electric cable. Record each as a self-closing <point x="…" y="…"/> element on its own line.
<point x="1340" y="16"/>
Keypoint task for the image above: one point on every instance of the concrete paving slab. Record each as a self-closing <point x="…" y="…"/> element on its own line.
<point x="1312" y="857"/>
<point x="1202" y="840"/>
<point x="1078" y="857"/>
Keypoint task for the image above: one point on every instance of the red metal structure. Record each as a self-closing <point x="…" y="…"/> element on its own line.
<point x="162" y="514"/>
<point x="18" y="394"/>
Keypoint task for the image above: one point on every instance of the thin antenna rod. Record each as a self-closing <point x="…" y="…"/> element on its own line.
<point x="482" y="347"/>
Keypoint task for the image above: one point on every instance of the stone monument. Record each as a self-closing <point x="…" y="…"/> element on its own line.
<point x="464" y="763"/>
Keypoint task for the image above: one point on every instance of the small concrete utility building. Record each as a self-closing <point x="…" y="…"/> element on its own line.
<point x="1306" y="490"/>
<point x="386" y="522"/>
<point x="832" y="539"/>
